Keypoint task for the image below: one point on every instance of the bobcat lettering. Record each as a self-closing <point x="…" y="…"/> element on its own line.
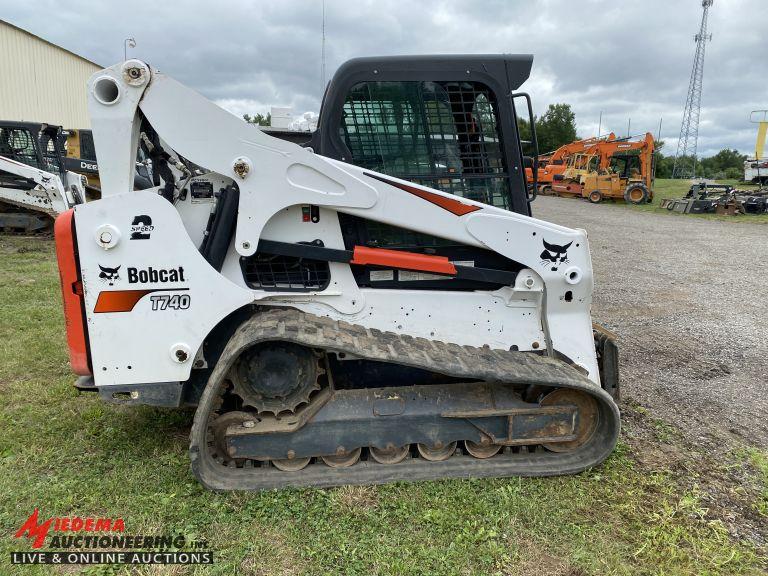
<point x="155" y="276"/>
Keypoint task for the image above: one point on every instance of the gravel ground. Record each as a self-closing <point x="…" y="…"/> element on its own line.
<point x="688" y="299"/>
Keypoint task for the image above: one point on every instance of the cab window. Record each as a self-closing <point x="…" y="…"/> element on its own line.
<point x="444" y="135"/>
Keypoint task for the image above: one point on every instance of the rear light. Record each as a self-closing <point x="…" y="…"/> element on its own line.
<point x="72" y="293"/>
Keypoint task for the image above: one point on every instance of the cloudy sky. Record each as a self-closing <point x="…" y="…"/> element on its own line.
<point x="628" y="59"/>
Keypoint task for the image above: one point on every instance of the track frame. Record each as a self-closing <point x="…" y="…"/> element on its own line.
<point x="514" y="368"/>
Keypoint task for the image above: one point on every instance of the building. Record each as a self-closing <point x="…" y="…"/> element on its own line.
<point x="40" y="81"/>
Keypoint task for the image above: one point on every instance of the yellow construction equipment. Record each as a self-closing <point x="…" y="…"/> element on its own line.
<point x="616" y="169"/>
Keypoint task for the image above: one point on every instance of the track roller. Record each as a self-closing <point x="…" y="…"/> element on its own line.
<point x="291" y="464"/>
<point x="343" y="460"/>
<point x="435" y="453"/>
<point x="480" y="450"/>
<point x="390" y="454"/>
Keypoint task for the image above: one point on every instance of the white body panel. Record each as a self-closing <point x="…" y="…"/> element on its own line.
<point x="138" y="346"/>
<point x="547" y="310"/>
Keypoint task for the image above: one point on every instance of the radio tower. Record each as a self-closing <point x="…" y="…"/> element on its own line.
<point x="685" y="158"/>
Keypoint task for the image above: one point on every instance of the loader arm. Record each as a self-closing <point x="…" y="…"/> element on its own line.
<point x="280" y="175"/>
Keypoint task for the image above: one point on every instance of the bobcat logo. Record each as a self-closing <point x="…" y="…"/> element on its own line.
<point x="554" y="255"/>
<point x="109" y="275"/>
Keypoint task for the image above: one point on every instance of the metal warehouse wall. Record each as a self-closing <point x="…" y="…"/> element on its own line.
<point x="41" y="82"/>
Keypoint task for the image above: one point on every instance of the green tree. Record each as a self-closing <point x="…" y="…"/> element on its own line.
<point x="726" y="164"/>
<point x="664" y="165"/>
<point x="259" y="119"/>
<point x="734" y="173"/>
<point x="524" y="128"/>
<point x="722" y="164"/>
<point x="556" y="127"/>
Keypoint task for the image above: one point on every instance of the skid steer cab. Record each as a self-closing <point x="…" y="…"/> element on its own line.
<point x="375" y="305"/>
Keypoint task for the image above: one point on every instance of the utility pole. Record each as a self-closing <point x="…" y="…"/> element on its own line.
<point x="600" y="124"/>
<point x="685" y="158"/>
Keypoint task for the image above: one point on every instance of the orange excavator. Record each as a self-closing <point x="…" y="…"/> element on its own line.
<point x="554" y="163"/>
<point x="617" y="168"/>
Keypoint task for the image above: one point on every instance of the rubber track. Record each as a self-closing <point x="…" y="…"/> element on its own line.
<point x="25" y="231"/>
<point x="287" y="324"/>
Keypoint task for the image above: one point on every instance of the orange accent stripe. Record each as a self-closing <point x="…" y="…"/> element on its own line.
<point x="119" y="300"/>
<point x="404" y="260"/>
<point x="72" y="293"/>
<point x="453" y="206"/>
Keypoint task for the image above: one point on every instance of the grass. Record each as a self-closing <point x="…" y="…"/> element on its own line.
<point x="668" y="188"/>
<point x="70" y="454"/>
<point x="758" y="460"/>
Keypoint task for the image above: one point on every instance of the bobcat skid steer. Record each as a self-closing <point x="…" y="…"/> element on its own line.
<point x="265" y="287"/>
<point x="35" y="186"/>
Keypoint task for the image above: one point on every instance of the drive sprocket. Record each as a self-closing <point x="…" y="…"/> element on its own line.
<point x="276" y="377"/>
